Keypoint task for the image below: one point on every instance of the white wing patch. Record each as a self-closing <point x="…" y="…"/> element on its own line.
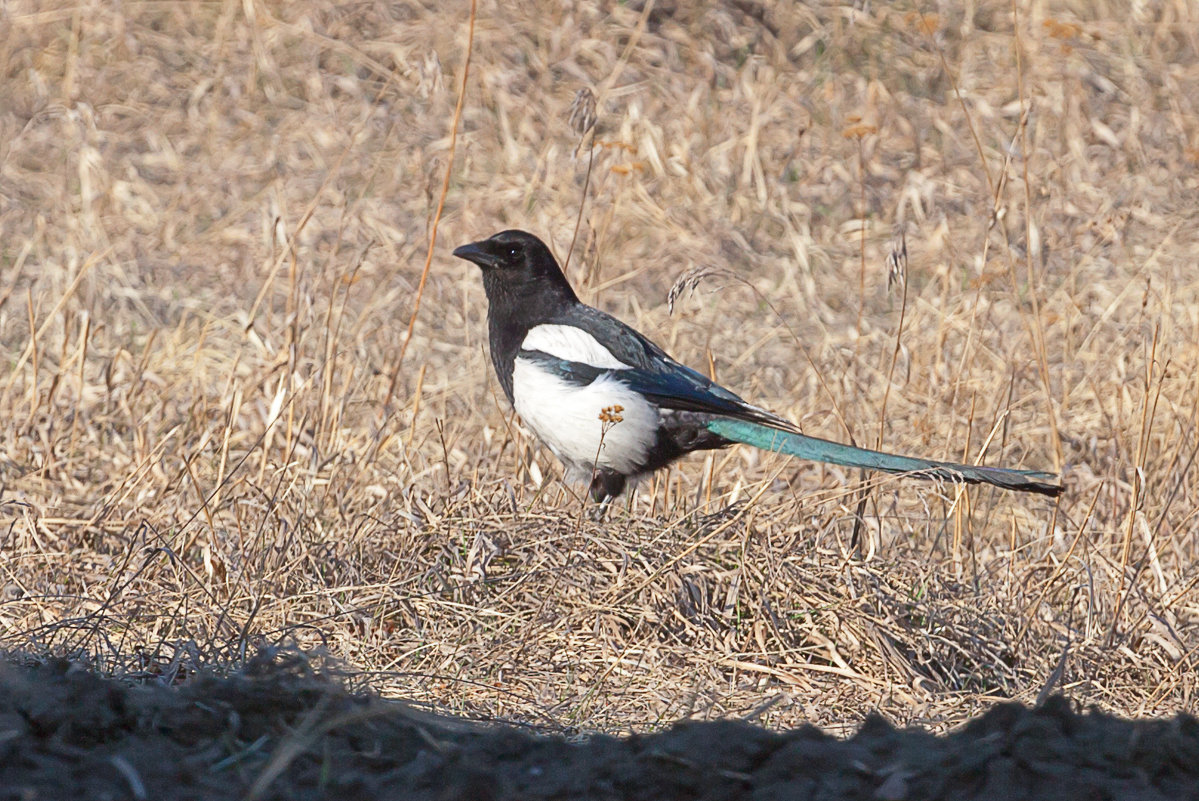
<point x="566" y="417"/>
<point x="573" y="345"/>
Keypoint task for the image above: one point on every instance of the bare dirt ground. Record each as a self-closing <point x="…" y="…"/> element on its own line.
<point x="281" y="731"/>
<point x="236" y="411"/>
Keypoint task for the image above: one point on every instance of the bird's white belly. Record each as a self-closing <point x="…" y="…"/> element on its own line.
<point x="567" y="418"/>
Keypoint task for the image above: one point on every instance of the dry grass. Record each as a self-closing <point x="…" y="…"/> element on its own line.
<point x="213" y="223"/>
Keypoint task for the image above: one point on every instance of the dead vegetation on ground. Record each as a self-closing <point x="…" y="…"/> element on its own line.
<point x="217" y="432"/>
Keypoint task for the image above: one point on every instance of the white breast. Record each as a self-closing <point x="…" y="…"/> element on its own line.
<point x="567" y="417"/>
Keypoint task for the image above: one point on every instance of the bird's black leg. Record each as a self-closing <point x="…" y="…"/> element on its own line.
<point x="606" y="485"/>
<point x="599" y="511"/>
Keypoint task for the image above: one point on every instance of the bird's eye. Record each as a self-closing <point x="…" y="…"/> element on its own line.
<point x="513" y="251"/>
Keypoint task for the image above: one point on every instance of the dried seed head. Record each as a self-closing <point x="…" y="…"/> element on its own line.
<point x="431" y="76"/>
<point x="897" y="259"/>
<point x="688" y="281"/>
<point x="582" y="112"/>
<point x="611" y="414"/>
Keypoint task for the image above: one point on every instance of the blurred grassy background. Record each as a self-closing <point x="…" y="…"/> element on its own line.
<point x="216" y="433"/>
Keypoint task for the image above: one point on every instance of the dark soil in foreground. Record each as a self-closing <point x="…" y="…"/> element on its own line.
<point x="278" y="731"/>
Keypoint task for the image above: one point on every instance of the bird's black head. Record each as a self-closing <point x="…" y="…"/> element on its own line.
<point x="506" y="250"/>
<point x="517" y="268"/>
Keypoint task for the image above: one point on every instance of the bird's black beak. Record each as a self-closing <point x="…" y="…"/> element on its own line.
<point x="478" y="253"/>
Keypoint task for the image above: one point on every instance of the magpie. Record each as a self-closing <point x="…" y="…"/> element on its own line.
<point x="614" y="407"/>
